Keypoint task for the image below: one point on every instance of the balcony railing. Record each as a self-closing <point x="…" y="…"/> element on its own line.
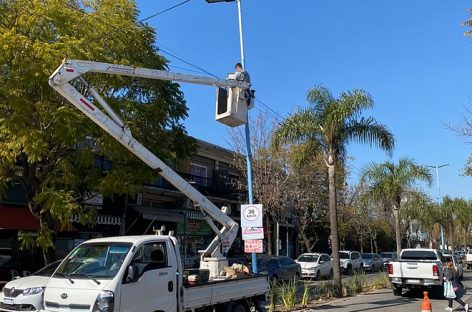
<point x="220" y="186"/>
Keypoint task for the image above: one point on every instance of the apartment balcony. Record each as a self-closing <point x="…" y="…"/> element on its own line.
<point x="221" y="186"/>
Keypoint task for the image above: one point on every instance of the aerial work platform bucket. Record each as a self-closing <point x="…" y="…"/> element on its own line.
<point x="231" y="106"/>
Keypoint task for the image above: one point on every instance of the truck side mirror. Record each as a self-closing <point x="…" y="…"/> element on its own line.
<point x="132" y="275"/>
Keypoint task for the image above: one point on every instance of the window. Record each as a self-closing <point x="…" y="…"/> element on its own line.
<point x="150" y="256"/>
<point x="286" y="261"/>
<point x="325" y="258"/>
<point x="354" y="256"/>
<point x="199" y="174"/>
<point x="308" y="258"/>
<point x="419" y="255"/>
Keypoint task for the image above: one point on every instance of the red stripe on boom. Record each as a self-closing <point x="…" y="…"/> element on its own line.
<point x="70" y="70"/>
<point x="87" y="104"/>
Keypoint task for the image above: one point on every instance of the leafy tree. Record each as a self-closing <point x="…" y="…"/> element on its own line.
<point x="326" y="126"/>
<point x="389" y="182"/>
<point x="45" y="143"/>
<point x="419" y="207"/>
<point x="450" y="211"/>
<point x="270" y="179"/>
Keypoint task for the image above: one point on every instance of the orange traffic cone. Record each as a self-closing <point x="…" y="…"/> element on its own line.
<point x="426" y="304"/>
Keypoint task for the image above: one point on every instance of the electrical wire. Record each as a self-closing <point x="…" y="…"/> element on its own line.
<point x="166" y="10"/>
<point x="162" y="48"/>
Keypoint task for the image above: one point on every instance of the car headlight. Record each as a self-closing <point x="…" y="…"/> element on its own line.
<point x="312" y="269"/>
<point x="33" y="291"/>
<point x="105" y="301"/>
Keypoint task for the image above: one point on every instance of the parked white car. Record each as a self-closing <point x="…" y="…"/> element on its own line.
<point x="26" y="293"/>
<point x="316" y="265"/>
<point x="350" y="261"/>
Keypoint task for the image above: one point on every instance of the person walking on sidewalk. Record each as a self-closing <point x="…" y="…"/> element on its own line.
<point x="459" y="289"/>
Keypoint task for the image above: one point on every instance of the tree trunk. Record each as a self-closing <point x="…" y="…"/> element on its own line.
<point x="47" y="224"/>
<point x="361" y="243"/>
<point x="269" y="235"/>
<point x="398" y="238"/>
<point x="333" y="218"/>
<point x="451" y="237"/>
<point x="123" y="218"/>
<point x="307" y="242"/>
<point x="465" y="238"/>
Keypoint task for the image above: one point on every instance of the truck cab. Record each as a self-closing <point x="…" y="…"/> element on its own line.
<point x="119" y="273"/>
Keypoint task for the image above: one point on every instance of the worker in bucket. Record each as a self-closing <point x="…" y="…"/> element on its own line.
<point x="242" y="75"/>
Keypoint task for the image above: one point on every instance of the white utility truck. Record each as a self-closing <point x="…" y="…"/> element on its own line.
<point x="417" y="268"/>
<point x="145" y="273"/>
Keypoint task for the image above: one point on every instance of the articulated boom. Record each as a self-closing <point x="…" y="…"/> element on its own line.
<point x="113" y="124"/>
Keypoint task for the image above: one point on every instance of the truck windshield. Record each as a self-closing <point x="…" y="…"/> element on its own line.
<point x="418" y="255"/>
<point x="95" y="260"/>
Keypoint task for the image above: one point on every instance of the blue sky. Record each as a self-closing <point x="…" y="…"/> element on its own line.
<point x="411" y="56"/>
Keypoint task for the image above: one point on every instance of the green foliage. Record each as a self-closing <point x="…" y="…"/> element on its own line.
<point x="288" y="294"/>
<point x="273" y="296"/>
<point x="43" y="140"/>
<point x="306" y="294"/>
<point x="357" y="282"/>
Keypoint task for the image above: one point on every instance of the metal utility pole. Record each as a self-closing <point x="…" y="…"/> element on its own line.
<point x="247" y="130"/>
<point x="246" y="126"/>
<point x="443" y="248"/>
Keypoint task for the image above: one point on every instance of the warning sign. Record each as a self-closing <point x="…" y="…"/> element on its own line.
<point x="251" y="215"/>
<point x="253" y="245"/>
<point x="253" y="233"/>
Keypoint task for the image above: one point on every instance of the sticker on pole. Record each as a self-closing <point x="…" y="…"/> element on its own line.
<point x="253" y="246"/>
<point x="252" y="233"/>
<point x="251" y="216"/>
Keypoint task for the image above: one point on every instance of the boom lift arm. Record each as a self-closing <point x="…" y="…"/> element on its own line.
<point x="114" y="125"/>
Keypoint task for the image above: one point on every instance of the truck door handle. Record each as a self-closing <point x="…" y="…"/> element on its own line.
<point x="170" y="286"/>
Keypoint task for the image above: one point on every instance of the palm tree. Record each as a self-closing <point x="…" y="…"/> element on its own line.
<point x="326" y="126"/>
<point x="389" y="183"/>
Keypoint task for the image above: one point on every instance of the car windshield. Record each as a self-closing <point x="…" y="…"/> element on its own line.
<point x="447" y="258"/>
<point x="96" y="260"/>
<point x="48" y="269"/>
<point x="367" y="256"/>
<point x="343" y="255"/>
<point x="308" y="258"/>
<point x="265" y="263"/>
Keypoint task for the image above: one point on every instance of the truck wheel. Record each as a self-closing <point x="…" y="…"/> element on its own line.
<point x="397" y="291"/>
<point x="318" y="275"/>
<point x="239" y="307"/>
<point x="349" y="270"/>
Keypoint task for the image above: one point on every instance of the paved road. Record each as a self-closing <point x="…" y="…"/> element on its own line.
<point x="383" y="300"/>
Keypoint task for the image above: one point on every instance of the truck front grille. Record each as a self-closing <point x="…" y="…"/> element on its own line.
<point x="17" y="307"/>
<point x="12" y="292"/>
<point x="72" y="306"/>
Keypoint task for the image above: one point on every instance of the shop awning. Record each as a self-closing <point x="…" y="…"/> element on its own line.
<point x="150" y="213"/>
<point x="17" y="218"/>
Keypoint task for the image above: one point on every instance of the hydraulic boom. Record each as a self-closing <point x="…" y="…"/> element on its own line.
<point x="110" y="121"/>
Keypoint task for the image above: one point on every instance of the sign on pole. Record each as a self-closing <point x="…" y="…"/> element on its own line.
<point x="253" y="246"/>
<point x="252" y="233"/>
<point x="251" y="216"/>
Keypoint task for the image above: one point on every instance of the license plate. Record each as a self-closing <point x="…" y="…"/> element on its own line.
<point x="8" y="301"/>
<point x="413" y="281"/>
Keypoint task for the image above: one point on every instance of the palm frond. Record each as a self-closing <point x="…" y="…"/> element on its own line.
<point x="369" y="131"/>
<point x="320" y="98"/>
<point x="354" y="102"/>
<point x="300" y="127"/>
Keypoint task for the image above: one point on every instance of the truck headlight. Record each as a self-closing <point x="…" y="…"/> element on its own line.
<point x="33" y="291"/>
<point x="105" y="301"/>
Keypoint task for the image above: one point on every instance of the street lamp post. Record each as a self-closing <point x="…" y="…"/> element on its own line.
<point x="246" y="125"/>
<point x="443" y="249"/>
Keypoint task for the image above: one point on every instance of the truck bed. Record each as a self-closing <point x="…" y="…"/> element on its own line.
<point x="223" y="291"/>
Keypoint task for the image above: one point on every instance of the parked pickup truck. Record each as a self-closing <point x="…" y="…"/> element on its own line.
<point x="417" y="268"/>
<point x="143" y="273"/>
